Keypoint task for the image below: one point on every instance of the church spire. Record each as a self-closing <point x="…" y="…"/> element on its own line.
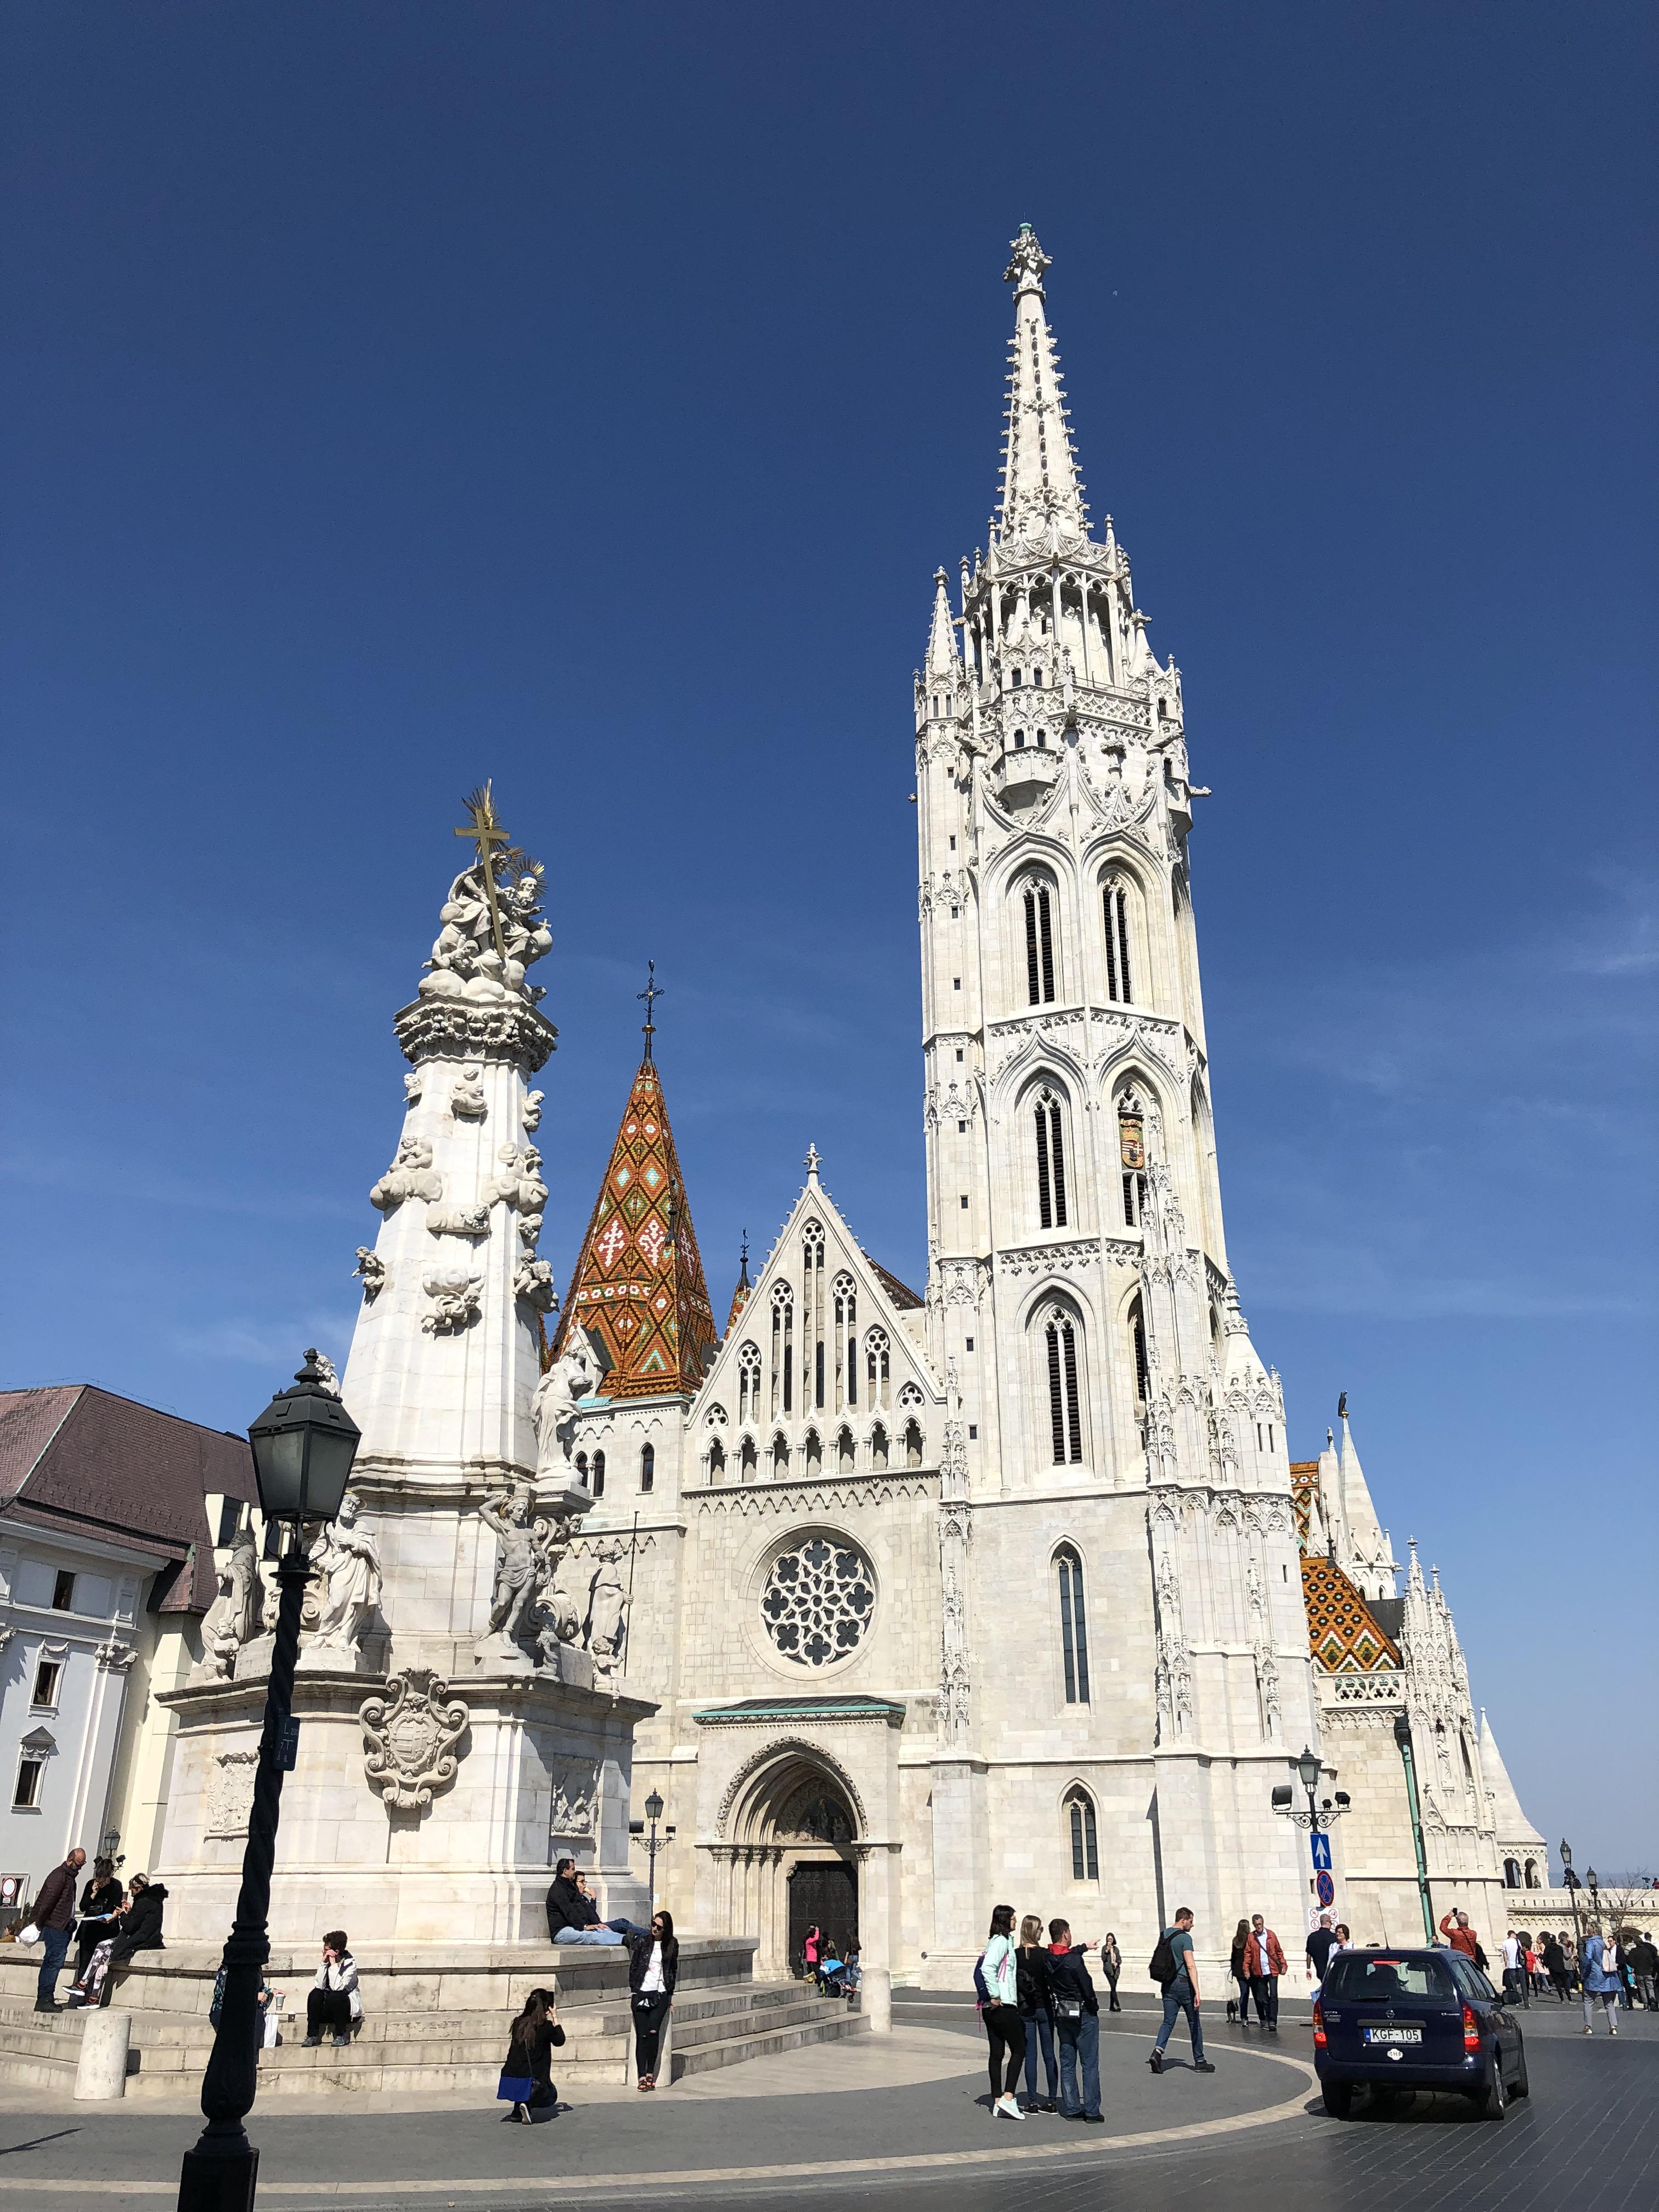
<point x="638" y="1289"/>
<point x="1040" y="480"/>
<point x="943" y="658"/>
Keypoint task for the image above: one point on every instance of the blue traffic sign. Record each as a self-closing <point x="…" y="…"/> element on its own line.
<point x="1321" y="1851"/>
<point x="1324" y="1888"/>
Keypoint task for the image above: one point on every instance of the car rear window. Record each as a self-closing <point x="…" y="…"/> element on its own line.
<point x="1362" y="1978"/>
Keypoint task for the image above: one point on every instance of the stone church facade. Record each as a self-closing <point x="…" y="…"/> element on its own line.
<point x="999" y="1592"/>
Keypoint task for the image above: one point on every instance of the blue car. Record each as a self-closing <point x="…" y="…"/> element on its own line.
<point x="1388" y="2019"/>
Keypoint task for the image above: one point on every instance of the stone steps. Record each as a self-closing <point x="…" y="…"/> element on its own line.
<point x="432" y="2052"/>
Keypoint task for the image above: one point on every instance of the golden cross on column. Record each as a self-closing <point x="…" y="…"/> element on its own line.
<point x="486" y="832"/>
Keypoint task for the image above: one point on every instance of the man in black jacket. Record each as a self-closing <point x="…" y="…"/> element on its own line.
<point x="54" y="1908"/>
<point x="1077" y="2024"/>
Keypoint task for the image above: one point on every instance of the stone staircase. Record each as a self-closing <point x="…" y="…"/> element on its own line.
<point x="436" y="2019"/>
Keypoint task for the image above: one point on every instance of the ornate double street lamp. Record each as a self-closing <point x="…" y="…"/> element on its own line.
<point x="304" y="1445"/>
<point x="654" y="1812"/>
<point x="1320" y="1817"/>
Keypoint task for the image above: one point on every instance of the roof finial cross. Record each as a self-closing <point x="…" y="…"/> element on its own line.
<point x="651" y="993"/>
<point x="812" y="1159"/>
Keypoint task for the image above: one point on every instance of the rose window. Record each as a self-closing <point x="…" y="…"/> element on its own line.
<point x="818" y="1602"/>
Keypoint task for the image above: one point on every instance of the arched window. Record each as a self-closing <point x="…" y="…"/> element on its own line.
<point x="1073" y="1625"/>
<point x="814" y="1450"/>
<point x="1083" y="1837"/>
<point x="581" y="1469"/>
<point x="846" y="1340"/>
<point x="717" y="1461"/>
<point x="749" y="1384"/>
<point x="812" y="1315"/>
<point x="783" y="1349"/>
<point x="1137" y="1351"/>
<point x="1118" y="984"/>
<point x="598" y="1474"/>
<point x="1512" y="1873"/>
<point x="1132" y="1156"/>
<point x="780" y="1453"/>
<point x="1050" y="1160"/>
<point x="846" y="1454"/>
<point x="878" y="1448"/>
<point x="913" y="1444"/>
<point x="1064" y="1409"/>
<point x="1531" y="1881"/>
<point x="876" y="1353"/>
<point x="647" y="1466"/>
<point x="1039" y="944"/>
<point x="749" y="1460"/>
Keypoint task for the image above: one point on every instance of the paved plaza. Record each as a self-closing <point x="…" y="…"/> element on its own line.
<point x="909" y="2112"/>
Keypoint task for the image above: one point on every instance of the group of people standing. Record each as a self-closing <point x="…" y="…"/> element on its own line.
<point x="1037" y="1995"/>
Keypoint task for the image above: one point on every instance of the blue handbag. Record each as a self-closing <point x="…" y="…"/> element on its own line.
<point x="515" y="2088"/>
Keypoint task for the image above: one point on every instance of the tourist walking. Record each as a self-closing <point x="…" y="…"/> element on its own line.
<point x="1645" y="1965"/>
<point x="1005" y="2030"/>
<point x="1516" y="1986"/>
<point x="652" y="1962"/>
<point x="1264" y="1962"/>
<point x="1235" y="1967"/>
<point x="526" y="2083"/>
<point x="1322" y="1941"/>
<point x="100" y="1904"/>
<point x="334" y="2000"/>
<point x="1555" y="1965"/>
<point x="1077" y="2026"/>
<point x="54" y="1908"/>
<point x="1111" y="1965"/>
<point x="1176" y="1971"/>
<point x="1036" y="2010"/>
<point x="1598" y="1977"/>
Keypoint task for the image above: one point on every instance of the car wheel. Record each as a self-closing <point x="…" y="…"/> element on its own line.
<point x="1339" y="2098"/>
<point x="1519" y="2087"/>
<point x="1492" y="2103"/>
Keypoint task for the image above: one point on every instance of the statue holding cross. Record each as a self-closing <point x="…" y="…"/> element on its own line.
<point x="491" y="928"/>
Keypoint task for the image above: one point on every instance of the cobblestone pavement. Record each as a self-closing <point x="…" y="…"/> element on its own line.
<point x="1249" y="2138"/>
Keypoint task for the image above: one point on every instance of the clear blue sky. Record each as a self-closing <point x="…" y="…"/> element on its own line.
<point x="395" y="395"/>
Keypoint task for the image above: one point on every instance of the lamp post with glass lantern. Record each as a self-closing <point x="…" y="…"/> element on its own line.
<point x="1570" y="1883"/>
<point x="654" y="1812"/>
<point x="1320" y="1818"/>
<point x="303" y="1446"/>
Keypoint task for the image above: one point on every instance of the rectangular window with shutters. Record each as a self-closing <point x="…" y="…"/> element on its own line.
<point x="26" y="1797"/>
<point x="47" y="1676"/>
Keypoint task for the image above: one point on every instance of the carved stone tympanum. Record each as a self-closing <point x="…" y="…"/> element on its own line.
<point x="410" y="1737"/>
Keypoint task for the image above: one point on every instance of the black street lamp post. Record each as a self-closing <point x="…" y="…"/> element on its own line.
<point x="303" y="1446"/>
<point x="1318" y="1815"/>
<point x="1570" y="1883"/>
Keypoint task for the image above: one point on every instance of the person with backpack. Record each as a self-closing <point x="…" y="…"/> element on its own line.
<point x="998" y="1975"/>
<point x="1598" y="1971"/>
<point x="1555" y="1965"/>
<point x="1174" y="1971"/>
<point x="1077" y="2024"/>
<point x="1036" y="2010"/>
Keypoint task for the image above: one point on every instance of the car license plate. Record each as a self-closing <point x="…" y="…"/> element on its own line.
<point x="1393" y="2035"/>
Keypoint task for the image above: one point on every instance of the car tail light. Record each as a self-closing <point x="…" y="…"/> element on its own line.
<point x="1319" y="2024"/>
<point x="1471" y="2030"/>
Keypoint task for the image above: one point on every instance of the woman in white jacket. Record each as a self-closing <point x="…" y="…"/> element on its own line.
<point x="333" y="2000"/>
<point x="1000" y="1968"/>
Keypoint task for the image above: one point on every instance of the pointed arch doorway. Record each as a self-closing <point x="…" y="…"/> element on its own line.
<point x="794" y="1857"/>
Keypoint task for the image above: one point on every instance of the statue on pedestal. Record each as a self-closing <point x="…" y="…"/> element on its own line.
<point x="607" y="1612"/>
<point x="517" y="1577"/>
<point x="347" y="1574"/>
<point x="235" y="1617"/>
<point x="571" y="1378"/>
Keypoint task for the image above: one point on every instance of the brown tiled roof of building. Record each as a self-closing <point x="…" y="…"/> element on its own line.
<point x="902" y="1296"/>
<point x="73" y="1456"/>
<point x="1304" y="1480"/>
<point x="1344" y="1635"/>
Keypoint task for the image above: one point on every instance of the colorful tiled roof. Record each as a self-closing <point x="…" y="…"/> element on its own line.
<point x="1304" y="1480"/>
<point x="1343" y="1633"/>
<point x="638" y="1287"/>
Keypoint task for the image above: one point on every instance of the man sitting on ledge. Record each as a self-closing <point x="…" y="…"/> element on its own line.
<point x="572" y="1915"/>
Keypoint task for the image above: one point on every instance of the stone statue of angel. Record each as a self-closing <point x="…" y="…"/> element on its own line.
<point x="607" y="1610"/>
<point x="347" y="1572"/>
